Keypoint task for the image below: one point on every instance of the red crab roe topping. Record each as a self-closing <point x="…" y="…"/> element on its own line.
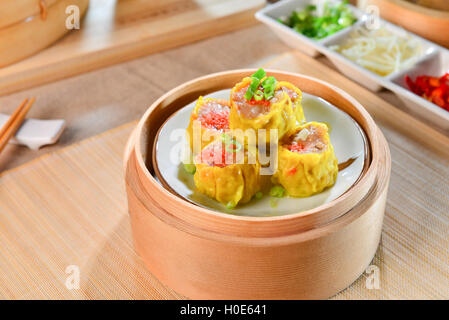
<point x="307" y="140"/>
<point x="265" y="103"/>
<point x="219" y="154"/>
<point x="212" y="158"/>
<point x="295" y="147"/>
<point x="214" y="115"/>
<point x="250" y="109"/>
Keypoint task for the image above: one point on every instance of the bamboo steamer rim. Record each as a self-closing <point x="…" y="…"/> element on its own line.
<point x="371" y="202"/>
<point x="418" y="9"/>
<point x="15" y="44"/>
<point x="18" y="11"/>
<point x="253" y="227"/>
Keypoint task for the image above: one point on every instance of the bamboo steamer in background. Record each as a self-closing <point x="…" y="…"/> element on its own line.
<point x="205" y="254"/>
<point x="16" y="11"/>
<point x="429" y="23"/>
<point x="29" y="36"/>
<point x="434" y="4"/>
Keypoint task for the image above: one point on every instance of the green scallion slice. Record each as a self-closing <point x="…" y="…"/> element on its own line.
<point x="259" y="74"/>
<point x="277" y="192"/>
<point x="190" y="168"/>
<point x="229" y="148"/>
<point x="269" y="82"/>
<point x="254" y="84"/>
<point x="258" y="95"/>
<point x="268" y="85"/>
<point x="230" y="205"/>
<point x="249" y="93"/>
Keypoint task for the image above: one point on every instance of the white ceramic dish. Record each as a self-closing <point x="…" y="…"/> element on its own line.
<point x="346" y="137"/>
<point x="271" y="13"/>
<point x="434" y="62"/>
<point x="367" y="78"/>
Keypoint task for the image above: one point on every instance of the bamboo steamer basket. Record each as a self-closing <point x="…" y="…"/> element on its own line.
<point x="16" y="11"/>
<point x="430" y="23"/>
<point x="434" y="4"/>
<point x="29" y="36"/>
<point x="204" y="254"/>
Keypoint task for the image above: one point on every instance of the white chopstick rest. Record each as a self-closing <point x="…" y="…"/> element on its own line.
<point x="36" y="133"/>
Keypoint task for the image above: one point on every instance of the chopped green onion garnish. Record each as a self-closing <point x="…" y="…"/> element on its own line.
<point x="253" y="87"/>
<point x="238" y="146"/>
<point x="254" y="84"/>
<point x="225" y="138"/>
<point x="268" y="93"/>
<point x="277" y="192"/>
<point x="268" y="86"/>
<point x="258" y="195"/>
<point x="228" y="141"/>
<point x="249" y="94"/>
<point x="190" y="168"/>
<point x="258" y="95"/>
<point x="259" y="74"/>
<point x="269" y="82"/>
<point x="230" y="205"/>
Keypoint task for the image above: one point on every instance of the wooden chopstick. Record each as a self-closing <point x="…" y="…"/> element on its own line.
<point x="14" y="122"/>
<point x="13" y="117"/>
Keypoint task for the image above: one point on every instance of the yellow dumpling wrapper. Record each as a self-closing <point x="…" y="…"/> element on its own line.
<point x="211" y="126"/>
<point x="279" y="114"/>
<point x="229" y="184"/>
<point x="305" y="173"/>
<point x="296" y="96"/>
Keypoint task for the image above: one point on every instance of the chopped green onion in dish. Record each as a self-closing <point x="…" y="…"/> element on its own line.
<point x="277" y="192"/>
<point x="334" y="17"/>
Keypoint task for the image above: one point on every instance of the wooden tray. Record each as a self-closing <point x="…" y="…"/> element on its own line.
<point x="69" y="208"/>
<point x="116" y="31"/>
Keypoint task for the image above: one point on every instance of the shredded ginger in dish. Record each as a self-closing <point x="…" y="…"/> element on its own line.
<point x="381" y="50"/>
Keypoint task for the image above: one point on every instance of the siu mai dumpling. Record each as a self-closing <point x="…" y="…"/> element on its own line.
<point x="225" y="172"/>
<point x="296" y="96"/>
<point x="307" y="163"/>
<point x="213" y="119"/>
<point x="257" y="104"/>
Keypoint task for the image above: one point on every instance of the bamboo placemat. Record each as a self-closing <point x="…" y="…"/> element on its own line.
<point x="69" y="208"/>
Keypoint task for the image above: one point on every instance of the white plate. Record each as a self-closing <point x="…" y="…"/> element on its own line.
<point x="345" y="134"/>
<point x="435" y="61"/>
